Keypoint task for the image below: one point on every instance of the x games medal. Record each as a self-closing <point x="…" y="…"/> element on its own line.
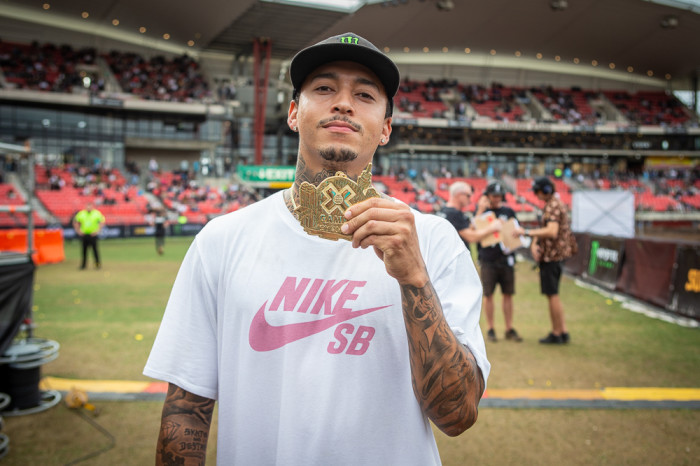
<point x="321" y="209"/>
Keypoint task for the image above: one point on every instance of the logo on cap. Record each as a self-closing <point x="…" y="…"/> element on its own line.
<point x="349" y="40"/>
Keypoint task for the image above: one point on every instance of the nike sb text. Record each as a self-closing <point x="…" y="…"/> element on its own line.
<point x="328" y="298"/>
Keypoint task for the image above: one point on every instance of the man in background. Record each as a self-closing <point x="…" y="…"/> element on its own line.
<point x="551" y="245"/>
<point x="497" y="268"/>
<point x="460" y="197"/>
<point x="87" y="223"/>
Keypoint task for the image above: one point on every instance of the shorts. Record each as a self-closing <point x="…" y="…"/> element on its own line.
<point x="502" y="274"/>
<point x="550" y="275"/>
<point x="160" y="241"/>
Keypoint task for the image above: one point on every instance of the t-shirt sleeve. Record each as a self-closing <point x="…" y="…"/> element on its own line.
<point x="457" y="219"/>
<point x="552" y="213"/>
<point x="458" y="287"/>
<point x="185" y="349"/>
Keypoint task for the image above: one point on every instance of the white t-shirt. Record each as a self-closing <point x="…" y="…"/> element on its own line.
<point x="302" y="340"/>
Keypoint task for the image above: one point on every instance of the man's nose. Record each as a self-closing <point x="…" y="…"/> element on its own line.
<point x="343" y="102"/>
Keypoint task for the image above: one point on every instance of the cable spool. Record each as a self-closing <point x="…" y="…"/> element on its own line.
<point x="20" y="373"/>
<point x="4" y="445"/>
<point x="4" y="439"/>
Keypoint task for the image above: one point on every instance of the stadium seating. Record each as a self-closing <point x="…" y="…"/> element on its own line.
<point x="158" y="78"/>
<point x="45" y="67"/>
<point x="9" y="196"/>
<point x="497" y="103"/>
<point x="649" y="107"/>
<point x="106" y="189"/>
<point x="567" y="105"/>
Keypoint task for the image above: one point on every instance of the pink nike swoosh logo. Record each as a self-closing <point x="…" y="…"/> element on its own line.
<point x="266" y="337"/>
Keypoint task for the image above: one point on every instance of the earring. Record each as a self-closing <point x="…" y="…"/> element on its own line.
<point x="294" y="129"/>
<point x="383" y="140"/>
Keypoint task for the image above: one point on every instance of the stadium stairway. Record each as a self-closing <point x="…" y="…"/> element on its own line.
<point x="38" y="207"/>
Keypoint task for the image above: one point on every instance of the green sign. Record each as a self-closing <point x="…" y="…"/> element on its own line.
<point x="267" y="173"/>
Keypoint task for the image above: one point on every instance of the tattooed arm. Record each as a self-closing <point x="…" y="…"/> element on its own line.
<point x="184" y="428"/>
<point x="446" y="378"/>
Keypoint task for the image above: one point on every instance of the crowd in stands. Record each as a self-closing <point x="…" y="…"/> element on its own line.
<point x="178" y="80"/>
<point x="497" y="102"/>
<point x="648" y="108"/>
<point x="183" y="195"/>
<point x="430" y="99"/>
<point x="47" y="67"/>
<point x="65" y="189"/>
<point x="568" y="105"/>
<point x="654" y="190"/>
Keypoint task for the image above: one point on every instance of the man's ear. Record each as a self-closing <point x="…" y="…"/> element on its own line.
<point x="292" y="116"/>
<point x="386" y="131"/>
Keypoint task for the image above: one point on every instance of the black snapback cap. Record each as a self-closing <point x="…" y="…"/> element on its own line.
<point x="495" y="188"/>
<point x="345" y="47"/>
<point x="543" y="184"/>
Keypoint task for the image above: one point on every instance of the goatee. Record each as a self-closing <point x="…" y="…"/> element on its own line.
<point x="331" y="154"/>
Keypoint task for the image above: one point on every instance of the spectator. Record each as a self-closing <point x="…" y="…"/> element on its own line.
<point x="552" y="243"/>
<point x="497" y="268"/>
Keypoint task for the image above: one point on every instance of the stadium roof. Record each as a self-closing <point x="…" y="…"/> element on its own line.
<point x="659" y="38"/>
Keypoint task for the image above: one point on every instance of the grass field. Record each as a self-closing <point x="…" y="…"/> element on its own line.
<point x="106" y="321"/>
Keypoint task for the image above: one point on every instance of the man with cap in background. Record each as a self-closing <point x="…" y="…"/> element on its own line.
<point x="497" y="268"/>
<point x="551" y="245"/>
<point x="329" y="331"/>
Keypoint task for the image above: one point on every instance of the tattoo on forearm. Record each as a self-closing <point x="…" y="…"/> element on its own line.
<point x="446" y="378"/>
<point x="184" y="428"/>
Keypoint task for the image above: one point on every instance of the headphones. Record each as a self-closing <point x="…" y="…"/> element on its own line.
<point x="543" y="185"/>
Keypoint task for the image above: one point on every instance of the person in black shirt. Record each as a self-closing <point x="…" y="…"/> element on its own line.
<point x="497" y="267"/>
<point x="460" y="197"/>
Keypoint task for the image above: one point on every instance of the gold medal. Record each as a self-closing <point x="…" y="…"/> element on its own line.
<point x="321" y="209"/>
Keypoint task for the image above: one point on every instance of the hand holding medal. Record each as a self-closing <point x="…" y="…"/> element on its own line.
<point x="321" y="209"/>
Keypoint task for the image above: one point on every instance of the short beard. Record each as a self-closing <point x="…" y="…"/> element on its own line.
<point x="331" y="154"/>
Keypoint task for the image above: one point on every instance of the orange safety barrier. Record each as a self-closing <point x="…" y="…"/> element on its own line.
<point x="48" y="244"/>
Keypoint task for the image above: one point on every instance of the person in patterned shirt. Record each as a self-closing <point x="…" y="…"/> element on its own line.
<point x="550" y="246"/>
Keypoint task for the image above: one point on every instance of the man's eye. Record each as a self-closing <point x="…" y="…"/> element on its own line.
<point x="323" y="88"/>
<point x="365" y="95"/>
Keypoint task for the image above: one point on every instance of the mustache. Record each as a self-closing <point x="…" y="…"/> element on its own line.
<point x="344" y="119"/>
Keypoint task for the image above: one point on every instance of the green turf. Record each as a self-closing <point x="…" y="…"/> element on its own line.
<point x="106" y="320"/>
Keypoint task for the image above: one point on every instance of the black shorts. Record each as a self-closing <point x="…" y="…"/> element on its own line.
<point x="550" y="274"/>
<point x="502" y="274"/>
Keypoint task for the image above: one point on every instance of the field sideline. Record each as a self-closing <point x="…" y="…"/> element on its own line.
<point x="106" y="320"/>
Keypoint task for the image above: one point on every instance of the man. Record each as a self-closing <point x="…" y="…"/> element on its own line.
<point x="323" y="352"/>
<point x="87" y="223"/>
<point x="497" y="268"/>
<point x="460" y="196"/>
<point x="159" y="219"/>
<point x="550" y="246"/>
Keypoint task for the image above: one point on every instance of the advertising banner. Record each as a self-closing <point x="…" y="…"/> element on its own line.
<point x="604" y="261"/>
<point x="267" y="175"/>
<point x="647" y="270"/>
<point x="686" y="288"/>
<point x="576" y="264"/>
